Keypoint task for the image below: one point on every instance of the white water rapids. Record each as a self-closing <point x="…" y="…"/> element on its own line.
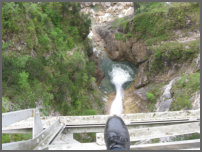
<point x="119" y="76"/>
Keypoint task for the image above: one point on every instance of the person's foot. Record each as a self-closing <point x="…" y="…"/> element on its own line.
<point x="116" y="134"/>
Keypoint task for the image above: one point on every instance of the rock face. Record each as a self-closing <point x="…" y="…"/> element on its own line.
<point x="142" y="76"/>
<point x="135" y="101"/>
<point x="196" y="100"/>
<point x="102" y="12"/>
<point x="99" y="74"/>
<point x="132" y="50"/>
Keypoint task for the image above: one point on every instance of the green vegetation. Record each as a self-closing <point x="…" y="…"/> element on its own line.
<point x="153" y="94"/>
<point x="6" y="138"/>
<point x="122" y="37"/>
<point x="150" y="97"/>
<point x="150" y="7"/>
<point x="156" y="140"/>
<point x="187" y="137"/>
<point x="172" y="52"/>
<point x="122" y="23"/>
<point x="119" y="36"/>
<point x="156" y="21"/>
<point x="45" y="58"/>
<point x="160" y="26"/>
<point x="183" y="91"/>
<point x="85" y="137"/>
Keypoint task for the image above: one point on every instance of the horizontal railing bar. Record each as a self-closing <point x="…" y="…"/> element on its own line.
<point x="41" y="140"/>
<point x="188" y="144"/>
<point x="101" y="119"/>
<point x="15" y="116"/>
<point x="134" y="123"/>
<point x="157" y="132"/>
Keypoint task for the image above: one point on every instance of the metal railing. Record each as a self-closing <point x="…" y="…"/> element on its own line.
<point x="48" y="131"/>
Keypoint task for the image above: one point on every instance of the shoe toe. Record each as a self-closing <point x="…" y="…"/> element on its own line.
<point x="116" y="131"/>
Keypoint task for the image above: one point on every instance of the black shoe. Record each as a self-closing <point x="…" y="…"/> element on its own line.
<point x="116" y="134"/>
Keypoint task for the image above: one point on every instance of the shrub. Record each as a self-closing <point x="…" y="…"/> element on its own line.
<point x="181" y="102"/>
<point x="120" y="36"/>
<point x="6" y="138"/>
<point x="183" y="90"/>
<point x="150" y="97"/>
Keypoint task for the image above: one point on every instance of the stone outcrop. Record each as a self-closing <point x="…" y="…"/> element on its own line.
<point x="102" y="12"/>
<point x="142" y="78"/>
<point x="196" y="100"/>
<point x="132" y="50"/>
<point x="99" y="74"/>
<point x="135" y="101"/>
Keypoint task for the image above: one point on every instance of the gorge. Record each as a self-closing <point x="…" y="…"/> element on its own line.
<point x="95" y="58"/>
<point x="68" y="52"/>
<point x="111" y="34"/>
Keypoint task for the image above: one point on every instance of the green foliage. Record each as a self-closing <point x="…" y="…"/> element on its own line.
<point x="122" y="37"/>
<point x="150" y="7"/>
<point x="156" y="140"/>
<point x="44" y="71"/>
<point x="150" y="97"/>
<point x="90" y="112"/>
<point x="122" y="23"/>
<point x="23" y="81"/>
<point x="192" y="136"/>
<point x="119" y="36"/>
<point x="150" y="25"/>
<point x="4" y="45"/>
<point x="173" y="52"/>
<point x="35" y="67"/>
<point x="46" y="26"/>
<point x="85" y="137"/>
<point x="183" y="91"/>
<point x="154" y="92"/>
<point x="187" y="137"/>
<point x="9" y="17"/>
<point x="157" y="21"/>
<point x="157" y="25"/>
<point x="6" y="138"/>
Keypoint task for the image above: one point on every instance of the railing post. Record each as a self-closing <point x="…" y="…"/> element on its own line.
<point x="38" y="127"/>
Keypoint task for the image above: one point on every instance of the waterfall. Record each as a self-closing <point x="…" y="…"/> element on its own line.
<point x="119" y="76"/>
